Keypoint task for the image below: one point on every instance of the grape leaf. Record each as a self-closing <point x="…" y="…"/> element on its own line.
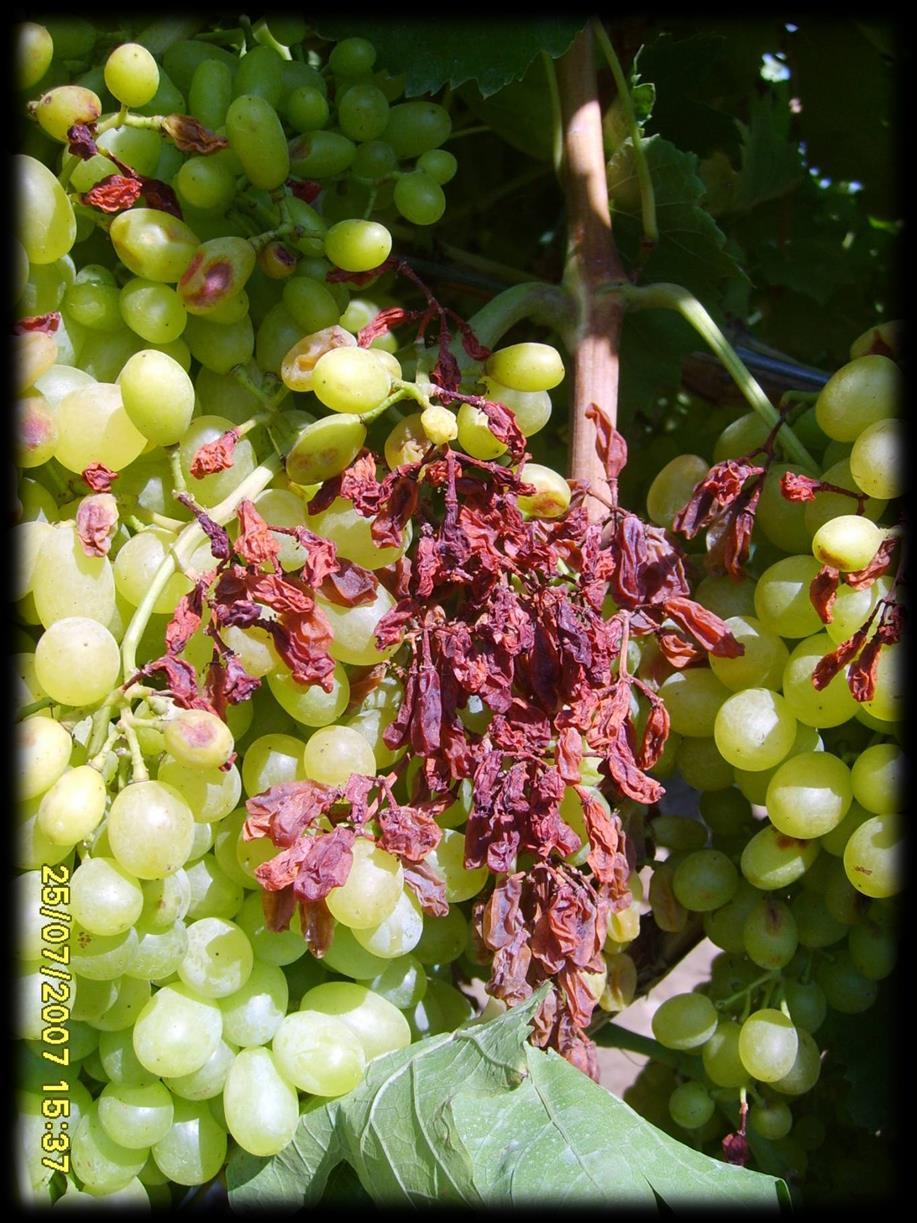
<point x="442" y="51"/>
<point x="520" y="113"/>
<point x="691" y="248"/>
<point x="479" y="1117"/>
<point x="771" y="161"/>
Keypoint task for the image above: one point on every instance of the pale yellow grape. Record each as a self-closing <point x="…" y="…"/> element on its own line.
<point x="151" y="829"/>
<point x="857" y="395"/>
<point x="877" y="459"/>
<point x="136" y="564"/>
<point x="809" y="794"/>
<point x="166" y="900"/>
<point x="26" y="539"/>
<point x="208" y="1081"/>
<point x="753" y="783"/>
<point x="720" y="1055"/>
<point x="334" y="753"/>
<point x="254" y="649"/>
<point x="532" y="409"/>
<point x="261" y="1106"/>
<point x="830" y="706"/>
<point x="768" y="1043"/>
<point x="102" y="1164"/>
<point x="851" y="608"/>
<point x="43" y="750"/>
<point x="727" y="596"/>
<point x="131" y="74"/>
<point x="46" y="225"/>
<point x="874" y="856"/>
<point x="351" y="380"/>
<point x="318" y="1053"/>
<point x="34" y="354"/>
<point x="805" y="1071"/>
<point x="526" y="366"/>
<point x="396" y="934"/>
<point x="372" y="888"/>
<point x="835" y="841"/>
<point x="104" y="897"/>
<point x="379" y="1026"/>
<point x="271" y="760"/>
<point x="771" y="859"/>
<point x="760" y="666"/>
<point x="158" y="396"/>
<point x="309" y="703"/>
<point x="877" y="777"/>
<point x="354" y="629"/>
<point x="551" y="498"/>
<point x="684" y="1021"/>
<point x="351" y="535"/>
<point x="252" y="1014"/>
<point x="177" y="1031"/>
<point x="782" y="602"/>
<point x="847" y="543"/>
<point x="67" y="582"/>
<point x="474" y="434"/>
<point x="439" y="424"/>
<point x="135" y="1116"/>
<point x="887" y="704"/>
<point x="783" y="522"/>
<point x="95" y="428"/>
<point x="693" y="698"/>
<point x="448" y="860"/>
<point x="77" y="661"/>
<point x="194" y="1150"/>
<point x="672" y="487"/>
<point x="218" y="959"/>
<point x="210" y="793"/>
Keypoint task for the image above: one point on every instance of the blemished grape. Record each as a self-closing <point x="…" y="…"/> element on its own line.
<point x="873" y="857"/>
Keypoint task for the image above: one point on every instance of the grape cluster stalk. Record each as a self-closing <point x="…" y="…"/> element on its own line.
<point x="336" y="711"/>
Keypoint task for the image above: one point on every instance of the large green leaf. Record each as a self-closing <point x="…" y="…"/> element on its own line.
<point x="440" y="51"/>
<point x="479" y="1117"/>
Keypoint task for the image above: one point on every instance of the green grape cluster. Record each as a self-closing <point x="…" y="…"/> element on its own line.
<point x="796" y="860"/>
<point x="194" y="1027"/>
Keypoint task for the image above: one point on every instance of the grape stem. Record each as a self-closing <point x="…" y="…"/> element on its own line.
<point x="644" y="180"/>
<point x="745" y="992"/>
<point x="180" y="554"/>
<point x="27" y="710"/>
<point x="674" y="297"/>
<point x="545" y="303"/>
